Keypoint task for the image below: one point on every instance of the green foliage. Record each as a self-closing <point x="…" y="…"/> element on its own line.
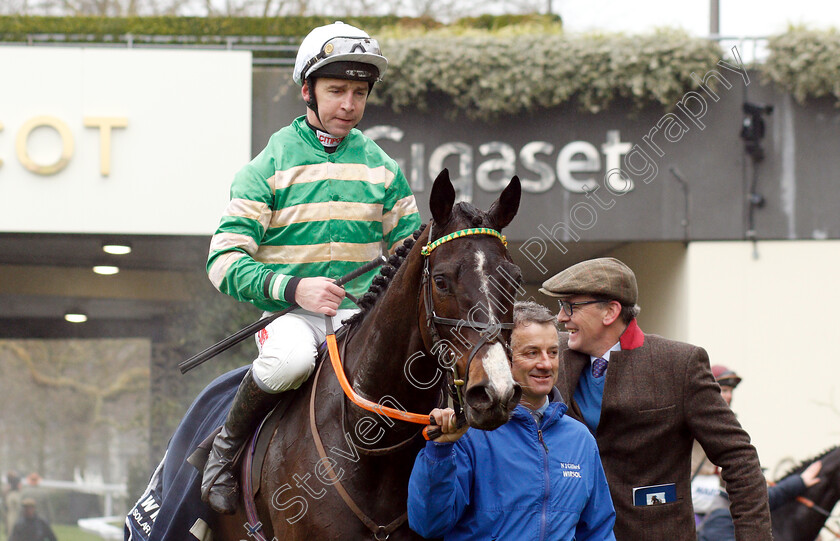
<point x="16" y="28"/>
<point x="497" y="22"/>
<point x="805" y="63"/>
<point x="487" y="75"/>
<point x="487" y="66"/>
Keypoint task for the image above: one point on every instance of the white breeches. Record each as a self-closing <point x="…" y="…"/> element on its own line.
<point x="288" y="347"/>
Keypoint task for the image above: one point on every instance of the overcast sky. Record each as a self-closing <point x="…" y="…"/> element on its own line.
<point x="752" y="18"/>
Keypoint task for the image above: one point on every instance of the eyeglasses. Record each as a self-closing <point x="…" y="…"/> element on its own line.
<point x="569" y="307"/>
<point x="345" y="45"/>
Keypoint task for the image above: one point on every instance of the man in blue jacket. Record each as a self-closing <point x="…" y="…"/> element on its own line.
<point x="539" y="476"/>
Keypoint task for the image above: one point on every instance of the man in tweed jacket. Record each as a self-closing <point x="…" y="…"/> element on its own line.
<point x="646" y="405"/>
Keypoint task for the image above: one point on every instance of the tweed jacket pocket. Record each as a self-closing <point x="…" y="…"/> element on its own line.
<point x="656" y="414"/>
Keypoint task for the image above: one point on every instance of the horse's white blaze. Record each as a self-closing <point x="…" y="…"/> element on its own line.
<point x="485" y="283"/>
<point x="495" y="361"/>
<point x="497" y="368"/>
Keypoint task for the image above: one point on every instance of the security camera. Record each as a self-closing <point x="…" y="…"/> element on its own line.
<point x="753" y="128"/>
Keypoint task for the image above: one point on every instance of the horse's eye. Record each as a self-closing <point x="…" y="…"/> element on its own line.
<point x="440" y="283"/>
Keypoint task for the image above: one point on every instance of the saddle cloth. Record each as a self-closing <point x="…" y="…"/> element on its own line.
<point x="171" y="509"/>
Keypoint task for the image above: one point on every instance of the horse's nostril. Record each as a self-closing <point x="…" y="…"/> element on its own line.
<point x="478" y="398"/>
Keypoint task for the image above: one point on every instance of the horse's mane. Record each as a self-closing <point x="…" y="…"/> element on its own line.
<point x="799" y="468"/>
<point x="382" y="280"/>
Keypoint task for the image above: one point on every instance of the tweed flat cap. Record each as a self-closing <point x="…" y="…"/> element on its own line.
<point x="605" y="277"/>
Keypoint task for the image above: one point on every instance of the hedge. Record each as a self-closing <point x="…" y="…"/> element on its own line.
<point x="489" y="66"/>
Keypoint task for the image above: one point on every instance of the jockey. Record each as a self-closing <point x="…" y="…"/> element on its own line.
<point x="727" y="379"/>
<point x="318" y="202"/>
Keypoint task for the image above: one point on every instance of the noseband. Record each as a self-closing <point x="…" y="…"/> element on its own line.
<point x="488" y="332"/>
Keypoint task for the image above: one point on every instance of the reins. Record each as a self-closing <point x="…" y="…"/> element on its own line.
<point x="362" y="402"/>
<point x="816" y="508"/>
<point x="380" y="532"/>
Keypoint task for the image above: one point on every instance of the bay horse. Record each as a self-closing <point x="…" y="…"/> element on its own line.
<point x="333" y="470"/>
<point x="802" y="520"/>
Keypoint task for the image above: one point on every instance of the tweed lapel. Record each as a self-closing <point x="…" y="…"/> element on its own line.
<point x="573" y="364"/>
<point x="619" y="376"/>
<point x="621" y="373"/>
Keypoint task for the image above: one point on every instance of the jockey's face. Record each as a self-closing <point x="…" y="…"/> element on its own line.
<point x="341" y="104"/>
<point x="726" y="393"/>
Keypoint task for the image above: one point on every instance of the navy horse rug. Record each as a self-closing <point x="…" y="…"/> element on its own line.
<point x="171" y="508"/>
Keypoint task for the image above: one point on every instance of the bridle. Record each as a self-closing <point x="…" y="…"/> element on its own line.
<point x="488" y="332"/>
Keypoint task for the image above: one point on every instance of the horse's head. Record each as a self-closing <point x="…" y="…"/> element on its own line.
<point x="469" y="287"/>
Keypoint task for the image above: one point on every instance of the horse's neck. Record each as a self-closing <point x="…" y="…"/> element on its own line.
<point x="794" y="521"/>
<point x="388" y="338"/>
<point x="829" y="493"/>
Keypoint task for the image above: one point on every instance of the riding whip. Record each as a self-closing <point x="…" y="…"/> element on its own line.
<point x="238" y="336"/>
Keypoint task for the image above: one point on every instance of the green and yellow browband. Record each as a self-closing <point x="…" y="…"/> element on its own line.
<point x="427" y="249"/>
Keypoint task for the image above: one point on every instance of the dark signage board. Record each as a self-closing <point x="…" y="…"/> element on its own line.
<point x="681" y="173"/>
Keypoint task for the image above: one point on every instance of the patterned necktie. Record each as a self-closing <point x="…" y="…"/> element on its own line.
<point x="599" y="366"/>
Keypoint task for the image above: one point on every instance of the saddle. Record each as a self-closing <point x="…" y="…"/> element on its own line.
<point x="254" y="452"/>
<point x="256" y="447"/>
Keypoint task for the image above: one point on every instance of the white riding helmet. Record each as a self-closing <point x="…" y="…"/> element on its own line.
<point x="339" y="42"/>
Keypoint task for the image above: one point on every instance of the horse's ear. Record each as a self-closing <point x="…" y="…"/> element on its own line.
<point x="505" y="207"/>
<point x="442" y="198"/>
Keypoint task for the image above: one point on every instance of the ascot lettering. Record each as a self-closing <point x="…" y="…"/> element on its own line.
<point x="66" y="143"/>
<point x="576" y="167"/>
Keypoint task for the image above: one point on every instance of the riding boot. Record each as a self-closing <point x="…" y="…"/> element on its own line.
<point x="219" y="486"/>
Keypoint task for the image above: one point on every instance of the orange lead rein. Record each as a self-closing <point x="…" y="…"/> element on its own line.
<point x="364" y="403"/>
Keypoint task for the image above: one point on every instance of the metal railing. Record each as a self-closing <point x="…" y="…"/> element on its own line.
<point x="267" y="51"/>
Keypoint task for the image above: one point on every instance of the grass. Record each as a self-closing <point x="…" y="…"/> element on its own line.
<point x="64" y="532"/>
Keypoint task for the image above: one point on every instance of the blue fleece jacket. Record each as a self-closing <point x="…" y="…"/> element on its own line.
<point x="520" y="481"/>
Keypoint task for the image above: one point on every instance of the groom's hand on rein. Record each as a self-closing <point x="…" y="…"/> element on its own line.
<point x="445" y="420"/>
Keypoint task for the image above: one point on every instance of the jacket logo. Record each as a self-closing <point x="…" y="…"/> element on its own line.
<point x="570" y="469"/>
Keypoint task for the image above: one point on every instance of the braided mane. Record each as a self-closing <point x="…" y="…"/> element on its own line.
<point x="805" y="463"/>
<point x="382" y="280"/>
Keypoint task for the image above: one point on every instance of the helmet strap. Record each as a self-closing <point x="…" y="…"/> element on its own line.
<point x="312" y="103"/>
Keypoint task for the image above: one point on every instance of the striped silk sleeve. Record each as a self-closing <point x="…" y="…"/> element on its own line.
<point x="400" y="216"/>
<point x="231" y="266"/>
